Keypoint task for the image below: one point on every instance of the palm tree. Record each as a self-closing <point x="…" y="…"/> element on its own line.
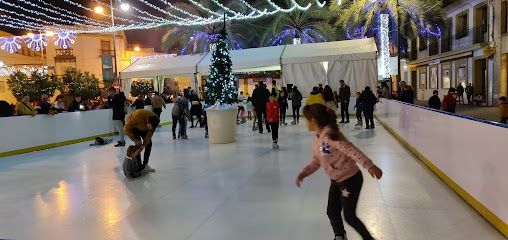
<point x="312" y="25"/>
<point x="200" y="38"/>
<point x="417" y="17"/>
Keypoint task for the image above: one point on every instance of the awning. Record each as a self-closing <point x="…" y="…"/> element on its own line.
<point x="166" y="66"/>
<point x="248" y="60"/>
<point x="361" y="49"/>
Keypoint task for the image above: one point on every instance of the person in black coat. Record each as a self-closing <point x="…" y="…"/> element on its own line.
<point x="117" y="103"/>
<point x="368" y="101"/>
<point x="139" y="103"/>
<point x="77" y="104"/>
<point x="5" y="109"/>
<point x="408" y="95"/>
<point x="434" y="101"/>
<point x="259" y="98"/>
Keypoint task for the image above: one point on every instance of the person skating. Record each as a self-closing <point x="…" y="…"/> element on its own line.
<point x="344" y="97"/>
<point x="157" y="104"/>
<point x="179" y="113"/>
<point x="117" y="103"/>
<point x="283" y="105"/>
<point x="359" y="110"/>
<point x="140" y="127"/>
<point x="339" y="158"/>
<point x="368" y="100"/>
<point x="296" y="101"/>
<point x="259" y="98"/>
<point x="196" y="110"/>
<point x="315" y="97"/>
<point x="272" y="109"/>
<point x="275" y="90"/>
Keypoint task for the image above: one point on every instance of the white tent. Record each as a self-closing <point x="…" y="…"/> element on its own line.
<point x="354" y="61"/>
<point x="304" y="65"/>
<point x="248" y="60"/>
<point x="166" y="66"/>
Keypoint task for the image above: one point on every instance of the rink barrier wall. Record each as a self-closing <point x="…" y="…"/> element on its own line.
<point x="28" y="134"/>
<point x="385" y="112"/>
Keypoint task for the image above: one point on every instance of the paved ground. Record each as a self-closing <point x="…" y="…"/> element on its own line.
<point x="485" y="113"/>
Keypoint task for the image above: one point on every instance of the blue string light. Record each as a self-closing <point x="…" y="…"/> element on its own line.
<point x="10" y="44"/>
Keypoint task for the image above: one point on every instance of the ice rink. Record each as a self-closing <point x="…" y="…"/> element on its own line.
<point x="237" y="191"/>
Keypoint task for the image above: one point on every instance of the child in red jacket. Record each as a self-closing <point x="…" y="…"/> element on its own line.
<point x="272" y="113"/>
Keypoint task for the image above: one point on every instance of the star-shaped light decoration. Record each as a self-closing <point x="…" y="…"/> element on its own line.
<point x="10" y="44"/>
<point x="64" y="40"/>
<point x="37" y="42"/>
<point x="345" y="193"/>
<point x="325" y="149"/>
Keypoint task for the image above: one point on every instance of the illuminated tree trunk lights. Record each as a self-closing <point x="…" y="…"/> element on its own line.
<point x="385" y="44"/>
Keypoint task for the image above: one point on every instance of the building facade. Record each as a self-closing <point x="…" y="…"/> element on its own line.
<point x="84" y="54"/>
<point x="468" y="52"/>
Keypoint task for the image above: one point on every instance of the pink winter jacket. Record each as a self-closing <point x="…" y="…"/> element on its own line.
<point x="338" y="158"/>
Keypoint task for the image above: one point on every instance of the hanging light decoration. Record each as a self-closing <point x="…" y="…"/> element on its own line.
<point x="10" y="44"/>
<point x="36" y="42"/>
<point x="385" y="44"/>
<point x="64" y="40"/>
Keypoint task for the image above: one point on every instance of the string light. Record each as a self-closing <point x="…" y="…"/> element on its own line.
<point x="64" y="40"/>
<point x="74" y="23"/>
<point x="37" y="43"/>
<point x="321" y="5"/>
<point x="10" y="44"/>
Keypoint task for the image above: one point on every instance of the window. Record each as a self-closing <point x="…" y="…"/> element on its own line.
<point x="422" y="41"/>
<point x="462" y="26"/>
<point x="106" y="48"/>
<point x="504" y="18"/>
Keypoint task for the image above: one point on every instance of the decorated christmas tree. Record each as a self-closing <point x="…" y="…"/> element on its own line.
<point x="220" y="87"/>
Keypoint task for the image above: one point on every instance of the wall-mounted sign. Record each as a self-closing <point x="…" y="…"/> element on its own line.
<point x="488" y="50"/>
<point x="107" y="68"/>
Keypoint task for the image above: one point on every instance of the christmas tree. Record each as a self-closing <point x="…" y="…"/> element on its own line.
<point x="220" y="87"/>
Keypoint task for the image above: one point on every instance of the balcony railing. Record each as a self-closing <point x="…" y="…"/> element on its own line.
<point x="65" y="55"/>
<point x="107" y="52"/>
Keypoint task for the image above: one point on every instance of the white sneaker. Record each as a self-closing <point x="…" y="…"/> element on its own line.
<point x="275" y="146"/>
<point x="150" y="169"/>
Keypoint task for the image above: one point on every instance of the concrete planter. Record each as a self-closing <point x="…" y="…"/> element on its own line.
<point x="221" y="124"/>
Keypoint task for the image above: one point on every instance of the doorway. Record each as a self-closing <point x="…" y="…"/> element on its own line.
<point x="414" y="80"/>
<point x="480" y="77"/>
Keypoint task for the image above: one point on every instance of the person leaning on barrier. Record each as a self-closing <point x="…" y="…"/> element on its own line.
<point x="450" y="101"/>
<point x="43" y="106"/>
<point x="5" y="109"/>
<point x="25" y="107"/>
<point x="77" y="104"/>
<point x="434" y="101"/>
<point x="58" y="105"/>
<point x="503" y="110"/>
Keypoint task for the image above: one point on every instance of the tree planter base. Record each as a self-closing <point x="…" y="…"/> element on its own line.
<point x="221" y="124"/>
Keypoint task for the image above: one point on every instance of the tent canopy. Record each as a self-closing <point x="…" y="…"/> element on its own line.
<point x="248" y="60"/>
<point x="350" y="50"/>
<point x="166" y="66"/>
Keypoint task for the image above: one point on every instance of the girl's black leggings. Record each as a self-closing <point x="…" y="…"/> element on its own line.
<point x="344" y="195"/>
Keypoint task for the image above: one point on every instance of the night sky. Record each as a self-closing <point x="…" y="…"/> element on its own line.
<point x="143" y="38"/>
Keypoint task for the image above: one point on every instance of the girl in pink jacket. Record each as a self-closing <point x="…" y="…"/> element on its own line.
<point x="339" y="158"/>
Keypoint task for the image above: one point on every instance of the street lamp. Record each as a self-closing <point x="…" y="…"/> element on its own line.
<point x="137" y="49"/>
<point x="100" y="10"/>
<point x="125" y="6"/>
